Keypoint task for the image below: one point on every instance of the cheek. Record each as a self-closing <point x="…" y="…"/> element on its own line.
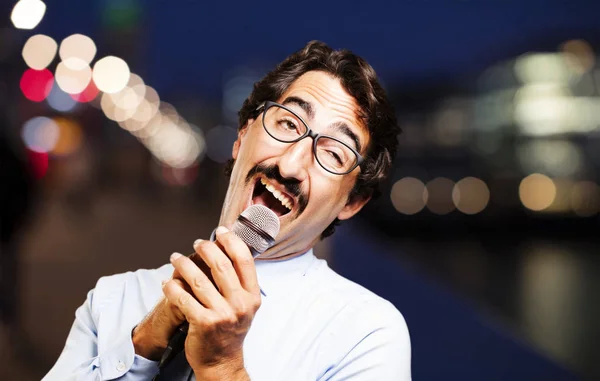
<point x="259" y="146"/>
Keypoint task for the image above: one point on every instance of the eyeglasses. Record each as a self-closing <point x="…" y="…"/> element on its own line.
<point x="283" y="125"/>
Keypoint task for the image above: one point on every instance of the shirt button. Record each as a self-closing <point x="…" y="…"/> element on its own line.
<point x="121" y="366"/>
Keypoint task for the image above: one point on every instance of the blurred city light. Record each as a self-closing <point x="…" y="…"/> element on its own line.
<point x="561" y="203"/>
<point x="175" y="144"/>
<point x="78" y="46"/>
<point x="236" y="90"/>
<point x="409" y="195"/>
<point x="450" y="123"/>
<point x="579" y="55"/>
<point x="73" y="75"/>
<point x="556" y="157"/>
<point x="27" y="14"/>
<point x="39" y="163"/>
<point x="70" y="137"/>
<point x="88" y="94"/>
<point x="40" y="134"/>
<point x="112" y="111"/>
<point x="219" y="141"/>
<point x="470" y="195"/>
<point x="542" y="68"/>
<point x="60" y="101"/>
<point x="439" y="192"/>
<point x="39" y="51"/>
<point x="544" y="109"/>
<point x="585" y="198"/>
<point x="111" y="74"/>
<point x="36" y="84"/>
<point x="131" y="96"/>
<point x="537" y="192"/>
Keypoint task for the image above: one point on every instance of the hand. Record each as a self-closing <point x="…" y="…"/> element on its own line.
<point x="151" y="336"/>
<point x="219" y="314"/>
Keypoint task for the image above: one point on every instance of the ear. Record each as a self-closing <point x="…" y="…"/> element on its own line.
<point x="241" y="132"/>
<point x="353" y="206"/>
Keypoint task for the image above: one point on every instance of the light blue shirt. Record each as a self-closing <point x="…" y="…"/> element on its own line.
<point x="313" y="324"/>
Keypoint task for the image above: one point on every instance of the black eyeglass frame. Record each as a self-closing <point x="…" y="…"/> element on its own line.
<point x="309" y="132"/>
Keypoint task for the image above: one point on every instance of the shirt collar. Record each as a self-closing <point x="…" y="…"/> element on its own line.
<point x="274" y="275"/>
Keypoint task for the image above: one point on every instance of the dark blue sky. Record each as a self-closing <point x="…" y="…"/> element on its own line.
<point x="190" y="44"/>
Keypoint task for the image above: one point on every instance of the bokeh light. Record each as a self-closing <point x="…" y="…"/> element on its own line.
<point x="409" y="195"/>
<point x="111" y="74"/>
<point x="579" y="55"/>
<point x="40" y="134"/>
<point x="132" y="95"/>
<point x="219" y="141"/>
<point x="176" y="145"/>
<point x="88" y="94"/>
<point x="537" y="192"/>
<point x="585" y="198"/>
<point x="39" y="51"/>
<point x="36" y="84"/>
<point x="70" y="137"/>
<point x="73" y="75"/>
<point x="27" y="14"/>
<point x="38" y="162"/>
<point x="439" y="192"/>
<point x="60" y="101"/>
<point x="470" y="195"/>
<point x="78" y="46"/>
<point x="113" y="112"/>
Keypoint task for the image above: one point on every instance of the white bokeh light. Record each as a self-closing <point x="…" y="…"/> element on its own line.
<point x="111" y="74"/>
<point x="39" y="51"/>
<point x="78" y="46"/>
<point x="27" y="14"/>
<point x="73" y="76"/>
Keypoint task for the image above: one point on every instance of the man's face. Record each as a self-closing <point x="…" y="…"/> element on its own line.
<point x="290" y="170"/>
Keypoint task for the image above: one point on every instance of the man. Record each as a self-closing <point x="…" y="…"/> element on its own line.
<point x="316" y="137"/>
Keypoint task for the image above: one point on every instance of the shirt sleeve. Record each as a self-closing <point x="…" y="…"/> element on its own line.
<point x="383" y="354"/>
<point x="80" y="361"/>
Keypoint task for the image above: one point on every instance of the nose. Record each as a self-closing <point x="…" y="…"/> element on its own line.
<point x="296" y="159"/>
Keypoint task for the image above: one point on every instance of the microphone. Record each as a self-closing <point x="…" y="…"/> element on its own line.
<point x="257" y="226"/>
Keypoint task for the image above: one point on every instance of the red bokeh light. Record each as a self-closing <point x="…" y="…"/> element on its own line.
<point x="36" y="84"/>
<point x="87" y="95"/>
<point x="38" y="162"/>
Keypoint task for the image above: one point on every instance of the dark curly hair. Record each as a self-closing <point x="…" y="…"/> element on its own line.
<point x="360" y="81"/>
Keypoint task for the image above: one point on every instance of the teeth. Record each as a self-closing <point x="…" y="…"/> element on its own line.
<point x="277" y="194"/>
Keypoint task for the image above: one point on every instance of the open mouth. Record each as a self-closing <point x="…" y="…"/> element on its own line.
<point x="266" y="194"/>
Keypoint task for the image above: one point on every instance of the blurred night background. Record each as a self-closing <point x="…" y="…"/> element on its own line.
<point x="118" y="115"/>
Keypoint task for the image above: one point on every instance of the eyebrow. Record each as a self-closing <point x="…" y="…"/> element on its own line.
<point x="310" y="112"/>
<point x="343" y="128"/>
<point x="304" y="105"/>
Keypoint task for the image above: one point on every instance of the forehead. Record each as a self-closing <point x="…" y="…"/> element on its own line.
<point x="329" y="99"/>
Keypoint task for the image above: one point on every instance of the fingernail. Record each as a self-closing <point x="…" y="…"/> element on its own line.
<point x="164" y="282"/>
<point x="197" y="242"/>
<point x="174" y="256"/>
<point x="221" y="230"/>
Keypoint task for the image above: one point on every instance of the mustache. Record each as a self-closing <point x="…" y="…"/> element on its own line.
<point x="291" y="185"/>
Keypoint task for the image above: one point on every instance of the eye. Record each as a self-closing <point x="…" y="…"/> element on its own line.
<point x="336" y="157"/>
<point x="288" y="124"/>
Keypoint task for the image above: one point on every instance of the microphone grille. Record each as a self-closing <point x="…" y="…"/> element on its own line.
<point x="265" y="220"/>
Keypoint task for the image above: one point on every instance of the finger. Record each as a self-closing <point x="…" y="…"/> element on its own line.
<point x="201" y="287"/>
<point x="191" y="309"/>
<point x="221" y="268"/>
<point x="241" y="257"/>
<point x="172" y="313"/>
